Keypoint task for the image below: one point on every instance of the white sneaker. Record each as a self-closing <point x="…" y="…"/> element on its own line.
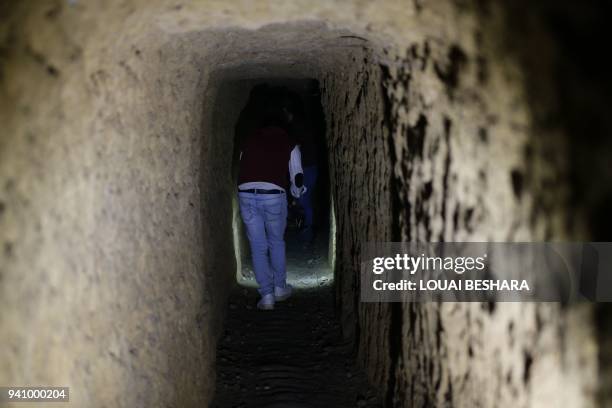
<point x="281" y="294"/>
<point x="266" y="302"/>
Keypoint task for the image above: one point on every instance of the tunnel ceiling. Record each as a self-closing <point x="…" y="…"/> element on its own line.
<point x="281" y="50"/>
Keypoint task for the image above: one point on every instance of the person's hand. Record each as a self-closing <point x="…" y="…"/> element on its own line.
<point x="297" y="192"/>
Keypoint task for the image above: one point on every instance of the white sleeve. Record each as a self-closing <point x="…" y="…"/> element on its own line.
<point x="295" y="164"/>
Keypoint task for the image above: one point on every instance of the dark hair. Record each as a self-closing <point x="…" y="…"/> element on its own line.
<point x="259" y="93"/>
<point x="274" y="115"/>
<point x="294" y="103"/>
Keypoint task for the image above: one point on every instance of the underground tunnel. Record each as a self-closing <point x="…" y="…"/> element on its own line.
<point x="124" y="271"/>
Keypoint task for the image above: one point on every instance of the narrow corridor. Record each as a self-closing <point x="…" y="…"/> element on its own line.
<point x="294" y="355"/>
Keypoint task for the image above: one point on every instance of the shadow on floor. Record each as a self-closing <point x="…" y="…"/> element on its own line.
<point x="290" y="357"/>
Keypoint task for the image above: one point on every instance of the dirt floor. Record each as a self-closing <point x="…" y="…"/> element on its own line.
<point x="294" y="355"/>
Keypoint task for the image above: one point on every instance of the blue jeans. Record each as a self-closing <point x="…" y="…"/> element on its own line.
<point x="265" y="219"/>
<point x="310" y="179"/>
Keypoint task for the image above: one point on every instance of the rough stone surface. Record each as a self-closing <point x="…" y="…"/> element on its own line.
<point x="115" y="187"/>
<point x="475" y="157"/>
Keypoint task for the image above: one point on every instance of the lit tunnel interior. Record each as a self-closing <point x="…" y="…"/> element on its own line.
<point x="122" y="265"/>
<point x="310" y="261"/>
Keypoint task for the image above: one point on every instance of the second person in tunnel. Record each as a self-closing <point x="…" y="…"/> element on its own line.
<point x="303" y="134"/>
<point x="267" y="156"/>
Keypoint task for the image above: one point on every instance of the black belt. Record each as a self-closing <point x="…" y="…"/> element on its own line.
<point x="260" y="191"/>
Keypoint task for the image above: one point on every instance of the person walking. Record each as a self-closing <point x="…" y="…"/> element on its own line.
<point x="270" y="163"/>
<point x="303" y="134"/>
<point x="309" y="163"/>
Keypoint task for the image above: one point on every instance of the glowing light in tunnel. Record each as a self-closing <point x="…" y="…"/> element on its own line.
<point x="332" y="234"/>
<point x="236" y="235"/>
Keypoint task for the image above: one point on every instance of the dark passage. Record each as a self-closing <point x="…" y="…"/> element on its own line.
<point x="294" y="355"/>
<point x="291" y="357"/>
<point x="307" y="241"/>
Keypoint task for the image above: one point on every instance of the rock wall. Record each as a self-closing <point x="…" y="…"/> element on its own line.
<point x="116" y="255"/>
<point x="467" y="144"/>
<point x="445" y="123"/>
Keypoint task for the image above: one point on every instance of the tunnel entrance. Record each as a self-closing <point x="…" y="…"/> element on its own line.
<point x="309" y="224"/>
<point x="303" y="353"/>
